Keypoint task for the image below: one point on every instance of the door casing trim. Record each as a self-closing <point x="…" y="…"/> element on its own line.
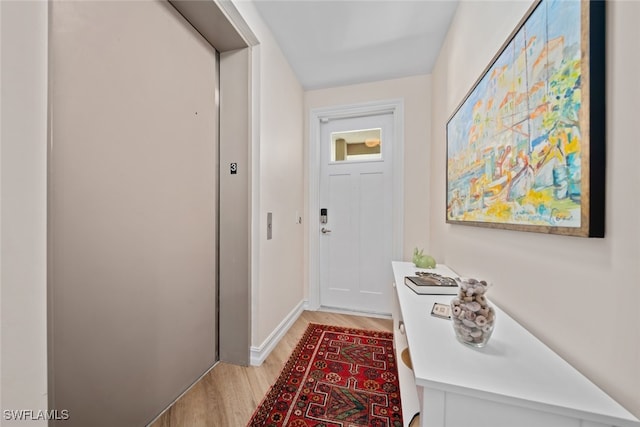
<point x="322" y="115"/>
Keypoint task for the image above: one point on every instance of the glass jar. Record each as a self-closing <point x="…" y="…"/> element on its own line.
<point x="473" y="317"/>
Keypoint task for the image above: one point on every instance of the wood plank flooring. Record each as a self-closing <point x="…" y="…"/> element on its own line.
<point x="228" y="395"/>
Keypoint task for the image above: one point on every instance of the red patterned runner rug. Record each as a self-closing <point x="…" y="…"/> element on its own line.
<point x="336" y="376"/>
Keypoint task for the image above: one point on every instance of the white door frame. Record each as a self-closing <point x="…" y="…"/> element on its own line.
<point x="316" y="117"/>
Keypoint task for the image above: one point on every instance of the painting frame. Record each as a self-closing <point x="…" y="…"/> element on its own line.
<point x="525" y="148"/>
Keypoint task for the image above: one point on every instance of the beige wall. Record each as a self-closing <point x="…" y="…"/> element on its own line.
<point x="577" y="295"/>
<point x="416" y="93"/>
<point x="278" y="283"/>
<point x="606" y="347"/>
<point x="23" y="124"/>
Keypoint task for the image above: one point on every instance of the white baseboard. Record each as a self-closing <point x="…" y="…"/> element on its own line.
<point x="353" y="312"/>
<point x="260" y="353"/>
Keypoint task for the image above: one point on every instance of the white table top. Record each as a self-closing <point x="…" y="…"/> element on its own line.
<point x="514" y="367"/>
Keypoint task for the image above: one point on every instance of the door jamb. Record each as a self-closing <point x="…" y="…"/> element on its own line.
<point x="323" y="115"/>
<point x="226" y="30"/>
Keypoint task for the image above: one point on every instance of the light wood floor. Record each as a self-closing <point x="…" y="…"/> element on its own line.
<point x="228" y="394"/>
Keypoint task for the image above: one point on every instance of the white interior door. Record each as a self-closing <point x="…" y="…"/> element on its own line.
<point x="356" y="191"/>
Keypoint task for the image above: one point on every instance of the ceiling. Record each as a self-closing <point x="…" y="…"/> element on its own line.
<point x="339" y="42"/>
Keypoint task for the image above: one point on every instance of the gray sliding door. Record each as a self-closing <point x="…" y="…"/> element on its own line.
<point x="132" y="210"/>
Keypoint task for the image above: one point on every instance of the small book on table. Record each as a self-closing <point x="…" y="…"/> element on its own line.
<point x="424" y="283"/>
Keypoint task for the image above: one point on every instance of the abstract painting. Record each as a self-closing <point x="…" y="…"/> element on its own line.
<point x="525" y="148"/>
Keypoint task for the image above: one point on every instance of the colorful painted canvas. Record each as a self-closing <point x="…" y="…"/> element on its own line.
<point x="520" y="148"/>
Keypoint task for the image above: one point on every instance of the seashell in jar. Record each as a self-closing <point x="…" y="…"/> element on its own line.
<point x="477" y="333"/>
<point x="469" y="323"/>
<point x="473" y="306"/>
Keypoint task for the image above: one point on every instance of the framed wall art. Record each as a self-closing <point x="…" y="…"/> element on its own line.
<point x="526" y="147"/>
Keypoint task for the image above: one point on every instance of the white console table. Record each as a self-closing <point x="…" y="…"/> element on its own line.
<point x="514" y="381"/>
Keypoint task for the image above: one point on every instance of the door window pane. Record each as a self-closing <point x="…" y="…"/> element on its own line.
<point x="356" y="145"/>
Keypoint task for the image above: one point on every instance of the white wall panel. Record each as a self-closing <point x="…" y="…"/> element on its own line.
<point x="23" y="210"/>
